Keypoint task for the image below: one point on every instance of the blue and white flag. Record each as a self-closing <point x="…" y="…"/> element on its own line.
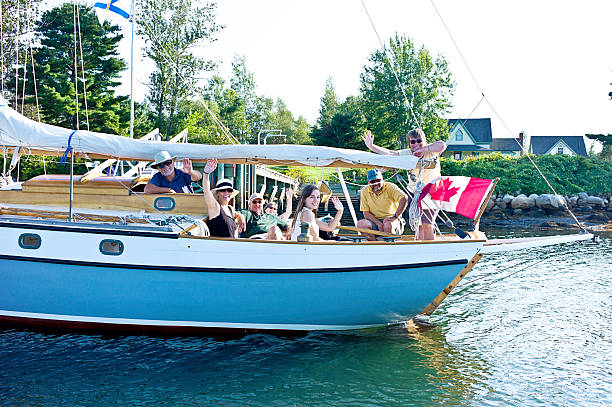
<point x="119" y="7"/>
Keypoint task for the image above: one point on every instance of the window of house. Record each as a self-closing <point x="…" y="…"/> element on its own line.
<point x="560" y="150"/>
<point x="457" y="155"/>
<point x="459" y="135"/>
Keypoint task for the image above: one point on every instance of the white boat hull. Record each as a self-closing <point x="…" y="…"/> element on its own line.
<point x="163" y="282"/>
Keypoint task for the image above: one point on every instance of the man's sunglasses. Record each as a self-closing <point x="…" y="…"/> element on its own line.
<point x="167" y="163"/>
<point x="257" y="202"/>
<point x="226" y="190"/>
<point x="375" y="181"/>
<point x="414" y="141"/>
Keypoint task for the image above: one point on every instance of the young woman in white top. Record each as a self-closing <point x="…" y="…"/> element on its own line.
<point x="306" y="211"/>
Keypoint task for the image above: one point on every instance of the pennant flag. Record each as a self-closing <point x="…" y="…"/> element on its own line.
<point x="111" y="6"/>
<point x="462" y="195"/>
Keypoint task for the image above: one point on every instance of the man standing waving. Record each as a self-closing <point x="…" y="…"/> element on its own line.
<point x="425" y="173"/>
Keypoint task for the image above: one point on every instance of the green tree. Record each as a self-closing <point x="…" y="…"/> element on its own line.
<point x="172" y="28"/>
<point x="345" y="127"/>
<point x="428" y="86"/>
<point x="227" y="106"/>
<point x="329" y="104"/>
<point x="101" y="64"/>
<point x="17" y="21"/>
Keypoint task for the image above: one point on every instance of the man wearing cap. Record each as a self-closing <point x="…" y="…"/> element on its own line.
<point x="382" y="204"/>
<point x="169" y="180"/>
<point x="261" y="225"/>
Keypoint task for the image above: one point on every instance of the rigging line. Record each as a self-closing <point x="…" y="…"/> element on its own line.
<point x="78" y="14"/>
<point x="17" y="59"/>
<point x="473" y="110"/>
<point x="25" y="72"/>
<point x="2" y="46"/>
<point x="32" y="60"/>
<point x="166" y="55"/>
<point x="580" y="225"/>
<point x="472" y="282"/>
<point x="463" y="294"/>
<point x="457" y="47"/>
<point x="390" y="62"/>
<point x="76" y="73"/>
<point x="502" y="121"/>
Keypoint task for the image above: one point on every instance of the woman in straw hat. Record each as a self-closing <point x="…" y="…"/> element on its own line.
<point x="223" y="221"/>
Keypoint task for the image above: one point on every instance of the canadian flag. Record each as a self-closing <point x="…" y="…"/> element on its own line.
<point x="462" y="195"/>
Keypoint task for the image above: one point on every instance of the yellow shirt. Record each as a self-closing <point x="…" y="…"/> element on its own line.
<point x="431" y="171"/>
<point x="384" y="204"/>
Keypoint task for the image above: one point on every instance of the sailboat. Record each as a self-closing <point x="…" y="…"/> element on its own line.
<point x="110" y="274"/>
<point x="135" y="263"/>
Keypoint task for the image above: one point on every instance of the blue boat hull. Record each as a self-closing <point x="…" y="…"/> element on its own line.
<point x="257" y="300"/>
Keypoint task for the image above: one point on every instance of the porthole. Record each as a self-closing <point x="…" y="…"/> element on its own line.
<point x="29" y="241"/>
<point x="164" y="203"/>
<point x="111" y="247"/>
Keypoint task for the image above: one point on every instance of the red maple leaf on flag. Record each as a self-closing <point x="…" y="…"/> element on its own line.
<point x="442" y="191"/>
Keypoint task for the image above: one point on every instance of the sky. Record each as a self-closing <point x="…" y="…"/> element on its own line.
<point x="544" y="66"/>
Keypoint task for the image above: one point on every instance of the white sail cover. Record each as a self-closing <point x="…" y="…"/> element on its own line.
<point x="17" y="130"/>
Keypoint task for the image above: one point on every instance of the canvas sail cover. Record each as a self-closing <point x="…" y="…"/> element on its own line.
<point x="17" y="130"/>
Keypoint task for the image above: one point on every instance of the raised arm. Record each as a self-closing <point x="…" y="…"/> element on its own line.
<point x="329" y="227"/>
<point x="288" y="205"/>
<point x="188" y="168"/>
<point x="214" y="209"/>
<point x="368" y="139"/>
<point x="435" y="147"/>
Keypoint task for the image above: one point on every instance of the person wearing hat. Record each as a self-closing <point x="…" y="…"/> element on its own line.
<point x="382" y="204"/>
<point x="425" y="173"/>
<point x="259" y="224"/>
<point x="169" y="180"/>
<point x="223" y="220"/>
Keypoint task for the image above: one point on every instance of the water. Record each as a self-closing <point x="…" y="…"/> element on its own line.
<point x="542" y="336"/>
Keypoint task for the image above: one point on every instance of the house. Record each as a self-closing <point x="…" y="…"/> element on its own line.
<point x="569" y="145"/>
<point x="473" y="137"/>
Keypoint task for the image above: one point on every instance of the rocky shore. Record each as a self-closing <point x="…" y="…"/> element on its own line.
<point x="547" y="211"/>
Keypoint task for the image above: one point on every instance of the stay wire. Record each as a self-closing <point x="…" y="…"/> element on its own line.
<point x="17" y="58"/>
<point x="580" y="225"/>
<point x="488" y="284"/>
<point x="165" y="55"/>
<point x="2" y="45"/>
<point x="32" y="60"/>
<point x="78" y="14"/>
<point x="76" y="74"/>
<point x="391" y="62"/>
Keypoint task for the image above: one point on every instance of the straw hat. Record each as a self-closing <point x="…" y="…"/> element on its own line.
<point x="161" y="157"/>
<point x="224" y="184"/>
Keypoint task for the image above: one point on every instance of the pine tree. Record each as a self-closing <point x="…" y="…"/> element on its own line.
<point x="55" y="59"/>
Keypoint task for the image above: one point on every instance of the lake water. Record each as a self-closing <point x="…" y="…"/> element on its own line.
<point x="540" y="336"/>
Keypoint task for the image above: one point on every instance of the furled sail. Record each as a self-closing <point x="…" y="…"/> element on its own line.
<point x="17" y="130"/>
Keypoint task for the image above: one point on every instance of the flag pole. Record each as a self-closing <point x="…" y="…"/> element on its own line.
<point x="133" y="14"/>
